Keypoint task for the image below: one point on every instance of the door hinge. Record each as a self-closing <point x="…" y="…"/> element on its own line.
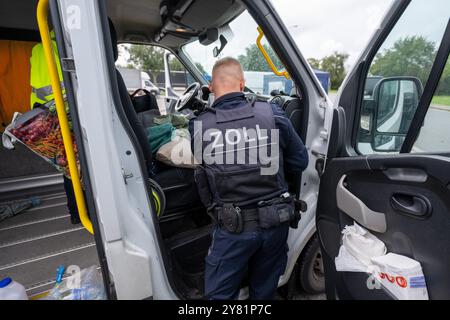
<point x="320" y="162"/>
<point x="324" y="134"/>
<point x="323" y="104"/>
<point x="68" y="65"/>
<point x="320" y="166"/>
<point x="126" y="176"/>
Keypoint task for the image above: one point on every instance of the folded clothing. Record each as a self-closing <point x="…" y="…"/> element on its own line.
<point x="177" y="120"/>
<point x="178" y="152"/>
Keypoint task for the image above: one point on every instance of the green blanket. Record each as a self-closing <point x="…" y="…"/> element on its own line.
<point x="159" y="135"/>
<point x="177" y="120"/>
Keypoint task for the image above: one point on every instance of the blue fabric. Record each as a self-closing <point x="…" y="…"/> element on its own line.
<point x="295" y="155"/>
<point x="5" y="282"/>
<point x="261" y="254"/>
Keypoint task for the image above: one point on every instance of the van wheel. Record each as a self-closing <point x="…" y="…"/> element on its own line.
<point x="311" y="276"/>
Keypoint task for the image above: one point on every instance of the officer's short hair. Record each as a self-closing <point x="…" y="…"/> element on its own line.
<point x="227" y="61"/>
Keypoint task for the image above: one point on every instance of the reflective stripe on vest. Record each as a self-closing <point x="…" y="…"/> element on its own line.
<point x="41" y="89"/>
<point x="43" y="93"/>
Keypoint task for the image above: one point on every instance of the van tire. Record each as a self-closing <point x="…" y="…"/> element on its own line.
<point x="311" y="277"/>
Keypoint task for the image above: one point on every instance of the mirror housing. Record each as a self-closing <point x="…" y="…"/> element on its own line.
<point x="395" y="102"/>
<point x="223" y="43"/>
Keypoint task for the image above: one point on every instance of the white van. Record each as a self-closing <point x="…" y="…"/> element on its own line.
<point x="135" y="79"/>
<point x="148" y="85"/>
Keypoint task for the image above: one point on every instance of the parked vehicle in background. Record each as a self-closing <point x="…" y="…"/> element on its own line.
<point x="266" y="82"/>
<point x="136" y="79"/>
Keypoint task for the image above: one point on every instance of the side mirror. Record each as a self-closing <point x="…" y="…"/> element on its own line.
<point x="395" y="102"/>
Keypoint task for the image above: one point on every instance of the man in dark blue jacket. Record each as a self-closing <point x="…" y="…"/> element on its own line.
<point x="245" y="147"/>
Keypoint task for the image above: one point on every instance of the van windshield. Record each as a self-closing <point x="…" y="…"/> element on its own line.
<point x="241" y="36"/>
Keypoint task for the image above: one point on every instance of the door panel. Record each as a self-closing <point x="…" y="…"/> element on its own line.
<point x="413" y="193"/>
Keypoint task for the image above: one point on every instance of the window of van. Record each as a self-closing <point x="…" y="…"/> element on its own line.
<point x="398" y="73"/>
<point x="241" y="45"/>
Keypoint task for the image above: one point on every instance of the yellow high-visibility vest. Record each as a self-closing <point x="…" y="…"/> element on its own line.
<point x="41" y="88"/>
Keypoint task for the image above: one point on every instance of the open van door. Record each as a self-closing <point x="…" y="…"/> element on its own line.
<point x="388" y="164"/>
<point x="171" y="96"/>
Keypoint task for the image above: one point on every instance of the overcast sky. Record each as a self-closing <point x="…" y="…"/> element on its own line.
<point x="320" y="27"/>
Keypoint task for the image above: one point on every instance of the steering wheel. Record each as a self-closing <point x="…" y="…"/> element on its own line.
<point x="188" y="97"/>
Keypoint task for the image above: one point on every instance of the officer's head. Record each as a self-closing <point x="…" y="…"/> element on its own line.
<point x="227" y="77"/>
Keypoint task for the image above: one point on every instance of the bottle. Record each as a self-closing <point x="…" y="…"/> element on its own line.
<point x="11" y="290"/>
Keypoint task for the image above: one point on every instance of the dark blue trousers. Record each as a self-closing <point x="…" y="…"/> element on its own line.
<point x="262" y="254"/>
<point x="71" y="200"/>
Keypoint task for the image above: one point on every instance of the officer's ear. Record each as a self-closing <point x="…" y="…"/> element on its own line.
<point x="210" y="86"/>
<point x="242" y="85"/>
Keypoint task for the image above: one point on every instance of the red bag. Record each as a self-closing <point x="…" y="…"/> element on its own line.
<point x="39" y="130"/>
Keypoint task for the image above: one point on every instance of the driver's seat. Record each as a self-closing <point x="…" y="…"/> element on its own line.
<point x="128" y="107"/>
<point x="174" y="181"/>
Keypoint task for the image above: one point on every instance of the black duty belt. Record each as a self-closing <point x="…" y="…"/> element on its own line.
<point x="268" y="214"/>
<point x="248" y="219"/>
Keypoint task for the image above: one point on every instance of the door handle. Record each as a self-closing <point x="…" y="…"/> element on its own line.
<point x="411" y="204"/>
<point x="351" y="205"/>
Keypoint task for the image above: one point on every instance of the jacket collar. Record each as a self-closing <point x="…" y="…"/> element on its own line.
<point x="229" y="97"/>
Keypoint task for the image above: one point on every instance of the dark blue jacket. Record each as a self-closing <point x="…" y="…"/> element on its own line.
<point x="295" y="155"/>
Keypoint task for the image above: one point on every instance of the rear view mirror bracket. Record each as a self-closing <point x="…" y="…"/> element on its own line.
<point x="209" y="36"/>
<point x="218" y="50"/>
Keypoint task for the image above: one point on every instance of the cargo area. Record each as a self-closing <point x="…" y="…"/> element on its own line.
<point x="33" y="244"/>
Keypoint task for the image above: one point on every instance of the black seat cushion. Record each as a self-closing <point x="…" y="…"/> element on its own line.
<point x="136" y="125"/>
<point x="179" y="187"/>
<point x="147" y="117"/>
<point x="294" y="112"/>
<point x="144" y="102"/>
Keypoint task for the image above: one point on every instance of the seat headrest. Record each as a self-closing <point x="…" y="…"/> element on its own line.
<point x="113" y="34"/>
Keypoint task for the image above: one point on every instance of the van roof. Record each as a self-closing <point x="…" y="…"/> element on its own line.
<point x="170" y="23"/>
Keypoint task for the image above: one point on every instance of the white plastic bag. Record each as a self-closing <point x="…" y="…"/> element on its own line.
<point x="359" y="246"/>
<point x="402" y="276"/>
<point x="361" y="251"/>
<point x="346" y="262"/>
<point x="84" y="285"/>
<point x="8" y="140"/>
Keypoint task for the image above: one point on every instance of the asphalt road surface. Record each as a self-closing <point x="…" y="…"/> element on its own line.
<point x="435" y="133"/>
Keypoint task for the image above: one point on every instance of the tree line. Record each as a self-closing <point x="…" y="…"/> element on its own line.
<point x="151" y="60"/>
<point x="409" y="56"/>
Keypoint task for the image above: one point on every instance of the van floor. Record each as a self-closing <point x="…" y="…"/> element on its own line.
<point x="36" y="242"/>
<point x="33" y="244"/>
